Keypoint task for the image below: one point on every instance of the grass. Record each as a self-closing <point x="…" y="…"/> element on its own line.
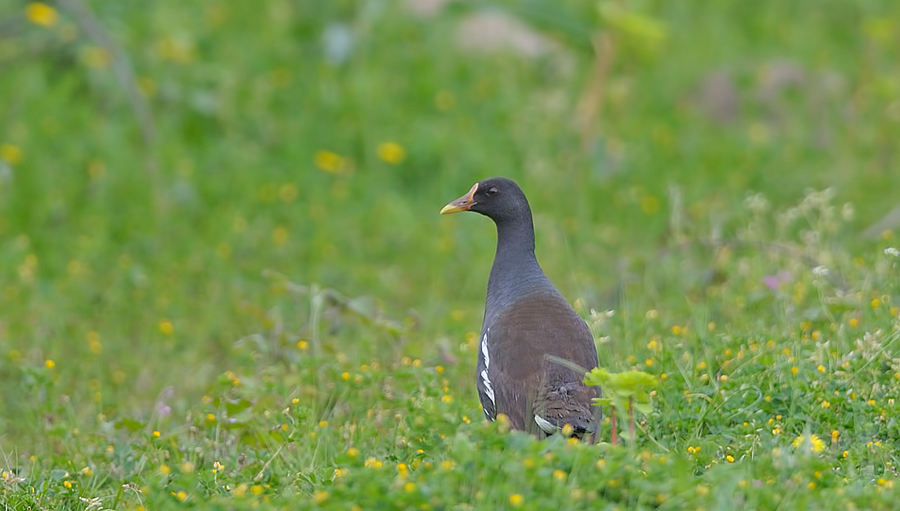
<point x="261" y="307"/>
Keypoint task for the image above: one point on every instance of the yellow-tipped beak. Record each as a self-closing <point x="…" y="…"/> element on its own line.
<point x="463" y="203"/>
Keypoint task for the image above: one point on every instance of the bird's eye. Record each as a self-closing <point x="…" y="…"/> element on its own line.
<point x="492" y="191"/>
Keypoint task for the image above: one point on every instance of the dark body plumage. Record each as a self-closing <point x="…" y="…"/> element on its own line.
<point x="528" y="326"/>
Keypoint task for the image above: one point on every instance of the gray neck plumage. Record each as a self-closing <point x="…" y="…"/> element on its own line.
<point x="515" y="272"/>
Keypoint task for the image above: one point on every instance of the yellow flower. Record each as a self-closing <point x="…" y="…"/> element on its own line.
<point x="166" y="327"/>
<point x="280" y="77"/>
<point x="280" y="235"/>
<point x="288" y="192"/>
<point x="409" y="487"/>
<point x="181" y="495"/>
<point x="42" y="14"/>
<point x="177" y="50"/>
<point x="649" y="205"/>
<point x="94" y="345"/>
<point x="516" y="500"/>
<point x="854" y="322"/>
<point x="559" y="475"/>
<point x="444" y="100"/>
<point x="147" y="88"/>
<point x="730" y="458"/>
<point x="353" y="452"/>
<point x="815" y="443"/>
<point x="156" y="434"/>
<point x="10" y="153"/>
<point x="256" y="489"/>
<point x="319" y="497"/>
<point x="330" y="162"/>
<point x="391" y="152"/>
<point x="876" y="303"/>
<point x="302" y="345"/>
<point x="96" y="57"/>
<point x="795" y="370"/>
<point x="50" y="364"/>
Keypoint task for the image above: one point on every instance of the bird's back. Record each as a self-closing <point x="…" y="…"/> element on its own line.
<point x="539" y="349"/>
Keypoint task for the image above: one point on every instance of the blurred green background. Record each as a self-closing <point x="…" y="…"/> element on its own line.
<point x="157" y="157"/>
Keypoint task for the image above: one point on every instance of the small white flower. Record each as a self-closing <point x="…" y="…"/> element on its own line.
<point x="756" y="202"/>
<point x="848" y="212"/>
<point x="891" y="251"/>
<point x="820" y="271"/>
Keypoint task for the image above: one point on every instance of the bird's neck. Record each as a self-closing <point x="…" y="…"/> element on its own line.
<point x="515" y="272"/>
<point x="515" y="241"/>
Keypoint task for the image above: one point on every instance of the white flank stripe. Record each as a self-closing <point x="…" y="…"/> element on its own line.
<point x="484" y="351"/>
<point x="488" y="387"/>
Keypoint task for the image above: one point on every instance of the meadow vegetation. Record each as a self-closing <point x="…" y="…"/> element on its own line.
<point x="224" y="282"/>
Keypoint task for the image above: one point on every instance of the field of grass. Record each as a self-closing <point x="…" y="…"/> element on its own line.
<point x="224" y="282"/>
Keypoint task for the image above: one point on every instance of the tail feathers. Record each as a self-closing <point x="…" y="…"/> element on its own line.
<point x="579" y="427"/>
<point x="568" y="403"/>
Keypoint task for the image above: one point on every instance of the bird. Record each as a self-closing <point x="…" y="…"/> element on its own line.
<point x="534" y="348"/>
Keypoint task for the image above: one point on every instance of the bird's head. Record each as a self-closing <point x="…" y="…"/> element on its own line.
<point x="497" y="198"/>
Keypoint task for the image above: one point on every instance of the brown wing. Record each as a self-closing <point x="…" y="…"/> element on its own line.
<point x="524" y="340"/>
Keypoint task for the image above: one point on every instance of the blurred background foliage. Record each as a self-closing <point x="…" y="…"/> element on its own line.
<point x="157" y="157"/>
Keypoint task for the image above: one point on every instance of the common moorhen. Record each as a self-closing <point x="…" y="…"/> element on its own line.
<point x="533" y="348"/>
